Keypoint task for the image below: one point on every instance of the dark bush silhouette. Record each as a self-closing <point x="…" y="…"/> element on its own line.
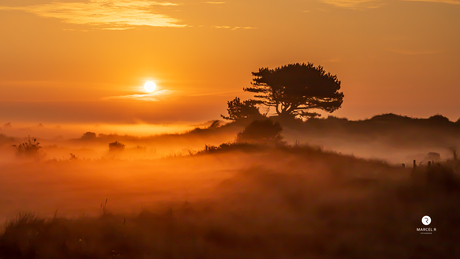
<point x="116" y="146"/>
<point x="240" y="110"/>
<point x="29" y="148"/>
<point x="438" y="118"/>
<point x="261" y="132"/>
<point x="88" y="136"/>
<point x="442" y="177"/>
<point x="388" y="117"/>
<point x="295" y="89"/>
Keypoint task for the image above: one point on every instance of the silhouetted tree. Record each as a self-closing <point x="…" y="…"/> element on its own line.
<point x="262" y="132"/>
<point x="238" y="110"/>
<point x="295" y="89"/>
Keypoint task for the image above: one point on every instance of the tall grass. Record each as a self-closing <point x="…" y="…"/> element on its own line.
<point x="279" y="202"/>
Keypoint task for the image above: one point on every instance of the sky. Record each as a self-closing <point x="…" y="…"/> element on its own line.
<point x="70" y="61"/>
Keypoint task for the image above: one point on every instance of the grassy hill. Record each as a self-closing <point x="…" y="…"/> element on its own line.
<point x="268" y="202"/>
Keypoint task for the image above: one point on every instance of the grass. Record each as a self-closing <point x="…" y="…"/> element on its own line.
<point x="328" y="229"/>
<point x="280" y="202"/>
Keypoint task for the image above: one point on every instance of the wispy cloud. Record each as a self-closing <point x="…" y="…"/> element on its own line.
<point x="234" y="27"/>
<point x="366" y="4"/>
<point x="150" y="97"/>
<point x="415" y="52"/>
<point x="107" y="14"/>
<point x="332" y="60"/>
<point x="215" y="2"/>
<point x="355" y="4"/>
<point x="216" y="94"/>
<point x="437" y="1"/>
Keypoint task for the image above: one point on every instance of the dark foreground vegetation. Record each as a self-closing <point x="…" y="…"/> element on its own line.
<point x="278" y="202"/>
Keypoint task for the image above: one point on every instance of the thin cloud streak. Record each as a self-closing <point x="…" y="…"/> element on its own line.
<point x="456" y="2"/>
<point x="150" y="97"/>
<point x="216" y="94"/>
<point x="355" y="4"/>
<point x="110" y="14"/>
<point x="369" y="4"/>
<point x="411" y="52"/>
<point x="235" y="27"/>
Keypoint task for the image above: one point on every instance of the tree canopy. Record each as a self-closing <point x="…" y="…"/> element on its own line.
<point x="238" y="110"/>
<point x="295" y="89"/>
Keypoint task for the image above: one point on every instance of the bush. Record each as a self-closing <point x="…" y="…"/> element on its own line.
<point x="29" y="148"/>
<point x="442" y="177"/>
<point x="88" y="136"/>
<point x="261" y="132"/>
<point x="116" y="146"/>
<point x="438" y="118"/>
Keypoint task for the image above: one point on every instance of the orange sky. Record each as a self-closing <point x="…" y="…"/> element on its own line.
<point x="86" y="61"/>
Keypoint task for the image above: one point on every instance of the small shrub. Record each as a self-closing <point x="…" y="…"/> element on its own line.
<point x="29" y="148"/>
<point x="442" y="177"/>
<point x="261" y="132"/>
<point x="88" y="136"/>
<point x="438" y="118"/>
<point x="116" y="146"/>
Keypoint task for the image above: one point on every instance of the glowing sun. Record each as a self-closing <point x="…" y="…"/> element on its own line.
<point x="150" y="86"/>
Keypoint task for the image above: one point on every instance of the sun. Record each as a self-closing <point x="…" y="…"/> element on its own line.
<point x="150" y="86"/>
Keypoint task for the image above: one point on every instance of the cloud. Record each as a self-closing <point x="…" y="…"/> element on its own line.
<point x="217" y="93"/>
<point x="215" y="2"/>
<point x="234" y="27"/>
<point x="437" y="1"/>
<point x="412" y="52"/>
<point x="332" y="60"/>
<point x="355" y="4"/>
<point x="107" y="14"/>
<point x="150" y="97"/>
<point x="366" y="4"/>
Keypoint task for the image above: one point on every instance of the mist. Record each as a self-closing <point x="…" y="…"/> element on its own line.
<point x="323" y="193"/>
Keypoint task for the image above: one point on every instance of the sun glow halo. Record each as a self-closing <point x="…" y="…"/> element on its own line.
<point x="150" y="86"/>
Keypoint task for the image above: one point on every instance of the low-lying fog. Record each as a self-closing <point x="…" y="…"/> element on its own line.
<point x="241" y="201"/>
<point x="74" y="174"/>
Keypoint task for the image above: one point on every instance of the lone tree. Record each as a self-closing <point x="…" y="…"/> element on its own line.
<point x="239" y="110"/>
<point x="295" y="89"/>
